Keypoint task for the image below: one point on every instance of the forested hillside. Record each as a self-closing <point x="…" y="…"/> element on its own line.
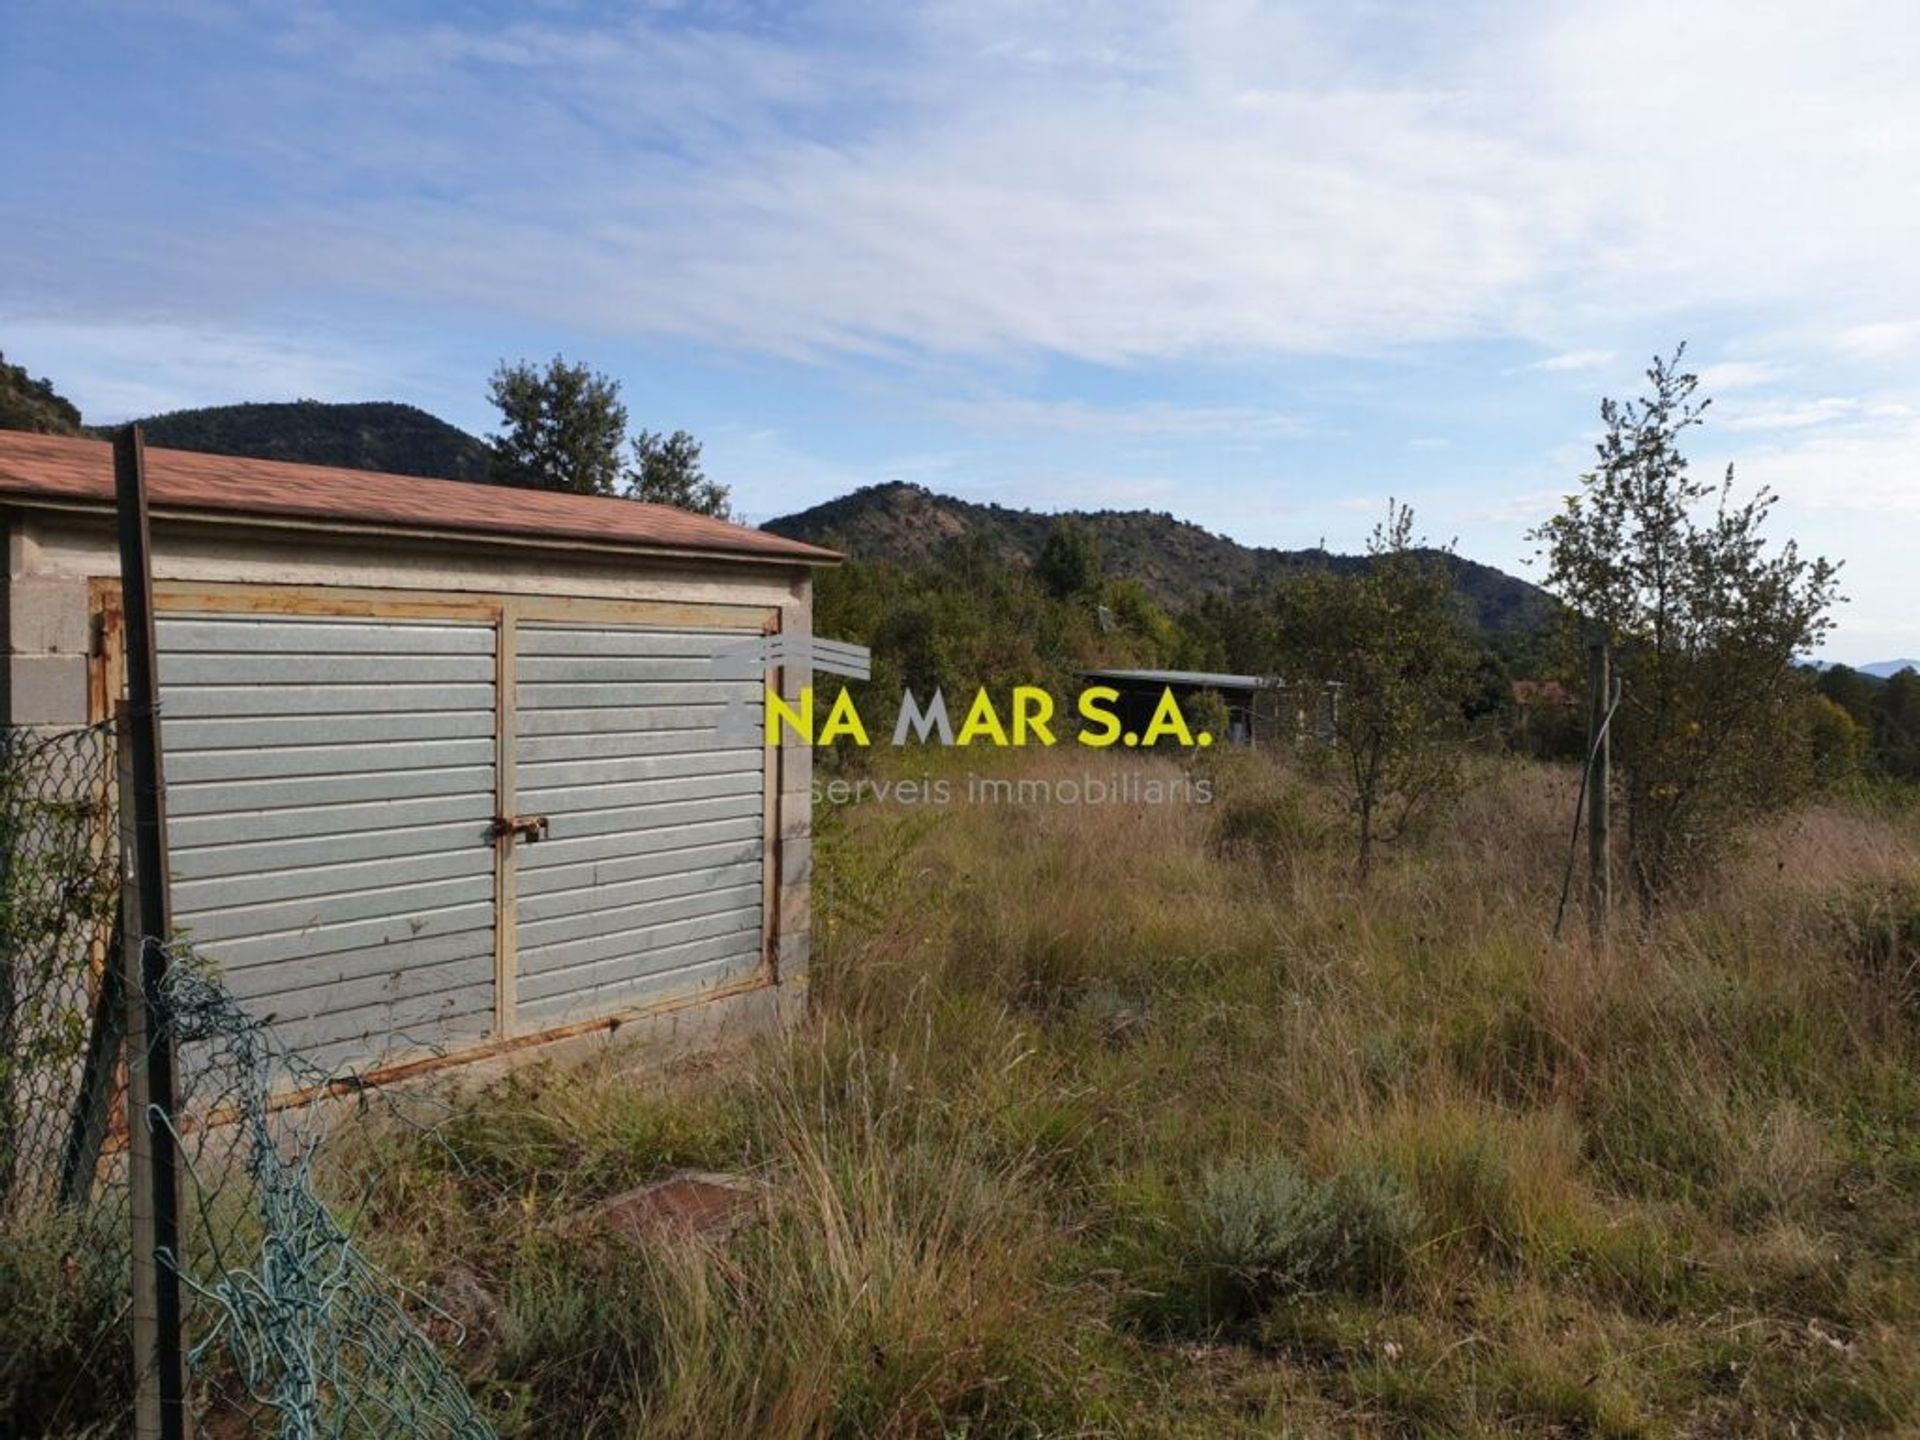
<point x="1179" y="563"/>
<point x="373" y="435"/>
<point x="30" y="404"/>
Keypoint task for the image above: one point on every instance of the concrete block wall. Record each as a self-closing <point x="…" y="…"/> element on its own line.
<point x="48" y="631"/>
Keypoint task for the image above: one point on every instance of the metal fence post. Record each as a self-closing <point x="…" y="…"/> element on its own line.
<point x="159" y="1351"/>
<point x="1599" y="784"/>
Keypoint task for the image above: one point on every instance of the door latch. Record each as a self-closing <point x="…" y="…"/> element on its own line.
<point x="528" y="827"/>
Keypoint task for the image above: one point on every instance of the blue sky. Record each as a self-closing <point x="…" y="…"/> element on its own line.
<point x="1260" y="266"/>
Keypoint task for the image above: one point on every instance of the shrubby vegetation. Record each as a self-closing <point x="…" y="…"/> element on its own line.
<point x="30" y="404"/>
<point x="1883" y="718"/>
<point x="1706" y="619"/>
<point x="1145" y="1121"/>
<point x="1387" y="646"/>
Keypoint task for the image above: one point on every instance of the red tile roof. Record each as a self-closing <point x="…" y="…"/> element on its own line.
<point x="180" y="482"/>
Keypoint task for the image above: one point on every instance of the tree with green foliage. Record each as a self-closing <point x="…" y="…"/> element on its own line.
<point x="563" y="427"/>
<point x="1069" y="563"/>
<point x="1706" y="623"/>
<point x="666" y="471"/>
<point x="30" y="404"/>
<point x="1850" y="690"/>
<point x="1238" y="634"/>
<point x="1837" y="744"/>
<point x="1896" y="726"/>
<point x="1389" y="642"/>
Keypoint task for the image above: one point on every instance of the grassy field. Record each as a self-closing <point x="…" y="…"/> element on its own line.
<point x="1140" y="1120"/>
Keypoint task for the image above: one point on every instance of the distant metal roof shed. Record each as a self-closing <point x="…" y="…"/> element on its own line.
<point x="1185" y="679"/>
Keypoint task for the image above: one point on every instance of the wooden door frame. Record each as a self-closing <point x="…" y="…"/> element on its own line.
<point x="504" y="611"/>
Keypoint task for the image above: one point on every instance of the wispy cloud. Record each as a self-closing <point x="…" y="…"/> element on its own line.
<point x="1147" y="420"/>
<point x="133" y="367"/>
<point x="1880" y="339"/>
<point x="992" y="179"/>
<point x="1738" y="375"/>
<point x="1789" y="414"/>
<point x="1574" y="360"/>
<point x="1400" y="222"/>
<point x="1872" y="469"/>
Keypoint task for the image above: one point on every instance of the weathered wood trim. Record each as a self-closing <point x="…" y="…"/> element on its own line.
<point x="106" y="658"/>
<point x="505" y="612"/>
<point x="770" y="828"/>
<point x="645" y="613"/>
<point x="242" y="598"/>
<point x="427" y="1065"/>
<point x="506" y="939"/>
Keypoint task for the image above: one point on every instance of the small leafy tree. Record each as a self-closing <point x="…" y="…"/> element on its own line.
<point x="666" y="471"/>
<point x="1070" y="563"/>
<point x="1706" y="623"/>
<point x="1388" y="642"/>
<point x="562" y="428"/>
<point x="1896" y="726"/>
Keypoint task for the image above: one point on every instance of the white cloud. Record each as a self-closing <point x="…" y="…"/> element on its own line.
<point x="1527" y="508"/>
<point x="1788" y="414"/>
<point x="1147" y="420"/>
<point x="1874" y="470"/>
<point x="1879" y="340"/>
<point x="1574" y="360"/>
<point x="1737" y="375"/>
<point x="1160" y="180"/>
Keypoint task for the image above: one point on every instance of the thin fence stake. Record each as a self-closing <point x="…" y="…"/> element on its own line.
<point x="160" y="1401"/>
<point x="1599" y="785"/>
<point x="80" y="1156"/>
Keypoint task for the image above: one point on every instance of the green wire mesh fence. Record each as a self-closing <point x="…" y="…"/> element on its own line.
<point x="293" y="1328"/>
<point x="65" y="1349"/>
<point x="291" y="1331"/>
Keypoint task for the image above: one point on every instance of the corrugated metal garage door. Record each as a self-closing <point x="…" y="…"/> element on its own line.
<point x="330" y="795"/>
<point x="650" y="880"/>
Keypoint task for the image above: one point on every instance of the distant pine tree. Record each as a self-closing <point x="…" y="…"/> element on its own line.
<point x="562" y="427"/>
<point x="666" y="471"/>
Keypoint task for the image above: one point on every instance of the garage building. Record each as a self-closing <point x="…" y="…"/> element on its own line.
<point x="446" y="772"/>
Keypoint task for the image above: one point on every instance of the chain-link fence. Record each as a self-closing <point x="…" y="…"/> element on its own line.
<point x="294" y="1332"/>
<point x="64" y="1352"/>
<point x="59" y="906"/>
<point x="290" y="1330"/>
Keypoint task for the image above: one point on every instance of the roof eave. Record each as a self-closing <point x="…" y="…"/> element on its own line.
<point x="814" y="558"/>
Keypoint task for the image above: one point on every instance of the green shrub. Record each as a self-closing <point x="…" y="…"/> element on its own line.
<point x="64" y="1359"/>
<point x="1264" y="823"/>
<point x="1271" y="1229"/>
<point x="1879" y="927"/>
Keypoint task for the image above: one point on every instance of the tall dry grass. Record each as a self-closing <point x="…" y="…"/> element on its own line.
<point x="1144" y="1120"/>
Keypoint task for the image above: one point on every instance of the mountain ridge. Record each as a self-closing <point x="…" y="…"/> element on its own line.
<point x="1179" y="562"/>
<point x="382" y="435"/>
